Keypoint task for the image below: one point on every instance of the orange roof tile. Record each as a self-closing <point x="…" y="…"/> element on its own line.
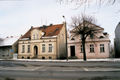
<point x="51" y="30"/>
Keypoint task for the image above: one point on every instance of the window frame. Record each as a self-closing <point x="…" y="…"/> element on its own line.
<point x="81" y="48"/>
<point x="102" y="48"/>
<point x="23" y="48"/>
<point x="43" y="48"/>
<point x="92" y="50"/>
<point x="50" y="48"/>
<point x="28" y="48"/>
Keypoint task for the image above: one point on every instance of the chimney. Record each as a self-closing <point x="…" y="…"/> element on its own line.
<point x="44" y="26"/>
<point x="51" y="24"/>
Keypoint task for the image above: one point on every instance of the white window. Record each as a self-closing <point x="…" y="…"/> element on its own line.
<point x="102" y="48"/>
<point x="43" y="47"/>
<point x="23" y="48"/>
<point x="28" y="49"/>
<point x="91" y="48"/>
<point x="50" y="48"/>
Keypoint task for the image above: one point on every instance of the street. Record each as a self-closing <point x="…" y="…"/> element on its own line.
<point x="46" y="70"/>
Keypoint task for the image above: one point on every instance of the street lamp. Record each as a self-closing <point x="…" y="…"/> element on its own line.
<point x="66" y="39"/>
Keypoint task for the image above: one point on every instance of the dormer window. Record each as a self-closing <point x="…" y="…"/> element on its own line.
<point x="101" y="37"/>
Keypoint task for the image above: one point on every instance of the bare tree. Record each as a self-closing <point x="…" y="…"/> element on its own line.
<point x="84" y="26"/>
<point x="81" y="2"/>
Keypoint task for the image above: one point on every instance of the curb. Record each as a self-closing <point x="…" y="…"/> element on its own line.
<point x="70" y="60"/>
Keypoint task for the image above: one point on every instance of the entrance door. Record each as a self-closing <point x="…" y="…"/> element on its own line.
<point x="72" y="50"/>
<point x="35" y="51"/>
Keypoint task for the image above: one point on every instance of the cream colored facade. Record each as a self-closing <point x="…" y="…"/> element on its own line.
<point x="41" y="44"/>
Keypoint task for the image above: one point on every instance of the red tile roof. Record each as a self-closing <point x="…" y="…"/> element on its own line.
<point x="51" y="30"/>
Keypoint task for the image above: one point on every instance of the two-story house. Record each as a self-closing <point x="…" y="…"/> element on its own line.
<point x="97" y="46"/>
<point x="44" y="42"/>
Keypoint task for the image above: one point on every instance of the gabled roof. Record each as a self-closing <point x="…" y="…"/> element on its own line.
<point x="51" y="30"/>
<point x="92" y="24"/>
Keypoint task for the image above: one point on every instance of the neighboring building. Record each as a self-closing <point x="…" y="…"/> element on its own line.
<point x="8" y="47"/>
<point x="97" y="46"/>
<point x="117" y="41"/>
<point x="45" y="42"/>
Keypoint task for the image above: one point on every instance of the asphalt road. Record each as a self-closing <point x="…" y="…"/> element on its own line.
<point x="24" y="70"/>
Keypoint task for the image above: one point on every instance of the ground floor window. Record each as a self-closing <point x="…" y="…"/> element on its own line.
<point x="28" y="49"/>
<point x="102" y="48"/>
<point x="91" y="48"/>
<point x="43" y="47"/>
<point x="23" y="48"/>
<point x="81" y="48"/>
<point x="50" y="48"/>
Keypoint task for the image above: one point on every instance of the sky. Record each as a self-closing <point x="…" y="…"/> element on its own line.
<point x="17" y="16"/>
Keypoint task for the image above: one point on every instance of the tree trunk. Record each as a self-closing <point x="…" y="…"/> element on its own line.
<point x="84" y="52"/>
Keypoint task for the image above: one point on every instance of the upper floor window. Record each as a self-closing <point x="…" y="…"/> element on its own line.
<point x="91" y="48"/>
<point x="43" y="47"/>
<point x="37" y="36"/>
<point x="23" y="48"/>
<point x="28" y="49"/>
<point x="33" y="36"/>
<point x="102" y="48"/>
<point x="50" y="48"/>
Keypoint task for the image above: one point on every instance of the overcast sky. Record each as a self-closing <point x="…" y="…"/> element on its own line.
<point x="17" y="16"/>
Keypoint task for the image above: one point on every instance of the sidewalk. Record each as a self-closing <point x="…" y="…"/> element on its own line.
<point x="69" y="60"/>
